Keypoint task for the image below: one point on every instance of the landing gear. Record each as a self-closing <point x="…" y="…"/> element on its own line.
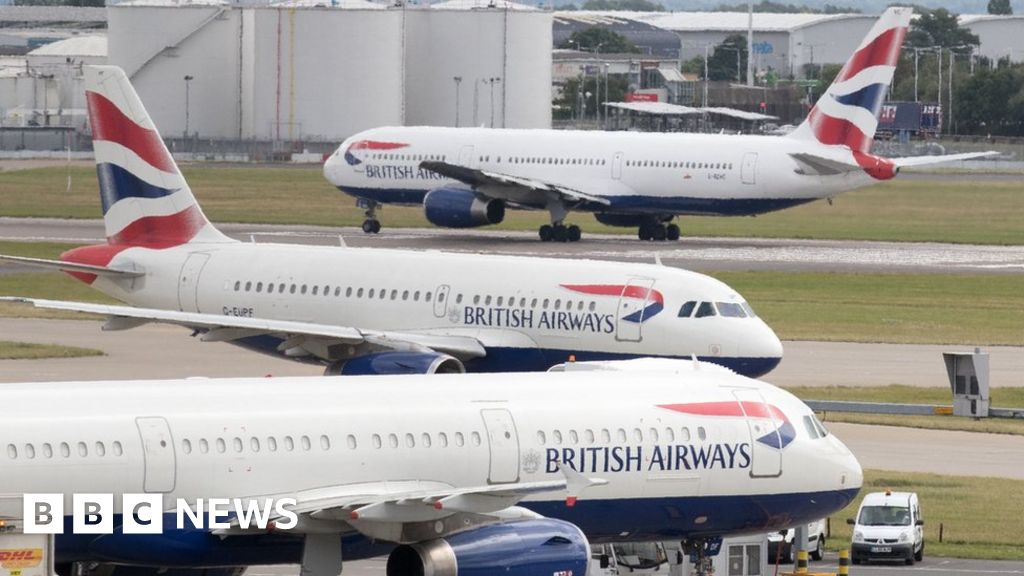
<point x="700" y="552"/>
<point x="559" y="232"/>
<point x="658" y="232"/>
<point x="371" y="225"/>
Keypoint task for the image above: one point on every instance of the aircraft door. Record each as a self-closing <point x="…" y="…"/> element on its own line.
<point x="466" y="157"/>
<point x="158" y="453"/>
<point x="765" y="435"/>
<point x="634" y="300"/>
<point x="617" y="166"/>
<point x="188" y="282"/>
<point x="748" y="168"/>
<point x="503" y="441"/>
<point x="441" y="300"/>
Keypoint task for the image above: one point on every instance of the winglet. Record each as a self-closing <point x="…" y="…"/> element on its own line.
<point x="575" y="483"/>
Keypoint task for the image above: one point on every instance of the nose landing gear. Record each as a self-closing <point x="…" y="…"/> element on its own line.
<point x="371" y="225"/>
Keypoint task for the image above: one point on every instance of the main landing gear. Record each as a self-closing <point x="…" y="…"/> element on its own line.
<point x="559" y="232"/>
<point x="371" y="225"/>
<point x="657" y="231"/>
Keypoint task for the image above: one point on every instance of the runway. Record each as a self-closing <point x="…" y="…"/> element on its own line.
<point x="700" y="253"/>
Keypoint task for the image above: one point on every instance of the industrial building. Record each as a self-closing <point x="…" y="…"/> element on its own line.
<point x="297" y="72"/>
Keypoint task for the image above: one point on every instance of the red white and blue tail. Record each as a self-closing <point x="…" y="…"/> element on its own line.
<point x="146" y="201"/>
<point x="847" y="113"/>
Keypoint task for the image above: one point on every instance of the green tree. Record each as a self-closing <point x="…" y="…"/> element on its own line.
<point x="626" y="5"/>
<point x="1001" y="7"/>
<point x="940" y="27"/>
<point x="601" y="40"/>
<point x="991" y="102"/>
<point x="722" y="63"/>
<point x="593" y="94"/>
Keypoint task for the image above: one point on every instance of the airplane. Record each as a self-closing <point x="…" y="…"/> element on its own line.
<point x="467" y="177"/>
<point x="447" y="474"/>
<point x="372" y="311"/>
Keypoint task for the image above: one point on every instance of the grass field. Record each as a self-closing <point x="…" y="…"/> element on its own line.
<point x="26" y="351"/>
<point x="894" y="308"/>
<point x="980" y="516"/>
<point x="947" y="210"/>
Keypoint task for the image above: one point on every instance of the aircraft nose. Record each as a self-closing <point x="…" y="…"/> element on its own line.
<point x="761" y="346"/>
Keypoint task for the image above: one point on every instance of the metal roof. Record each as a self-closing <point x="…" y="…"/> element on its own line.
<point x="721" y="21"/>
<point x="483" y="5"/>
<point x="74" y="46"/>
<point x="655" y="108"/>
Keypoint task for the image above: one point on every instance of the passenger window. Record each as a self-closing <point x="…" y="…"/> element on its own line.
<point x="638" y="435"/>
<point x="670" y="435"/>
<point x="588" y="436"/>
<point x="351" y="441"/>
<point x="654" y="435"/>
<point x="270" y="288"/>
<point x="557" y="437"/>
<point x="394" y="294"/>
<point x="238" y="285"/>
<point x="303" y="288"/>
<point x="541" y="437"/>
<point x="376" y="441"/>
<point x="487" y="301"/>
<point x="606" y="436"/>
<point x="731" y="310"/>
<point x="271" y="443"/>
<point x="306" y="443"/>
<point x="325" y="442"/>
<point x="204" y="446"/>
<point x="501" y="300"/>
<point x="186" y="446"/>
<point x="289" y="443"/>
<point x="701" y="433"/>
<point x="574" y="438"/>
<point x="371" y="293"/>
<point x="259" y="287"/>
<point x="292" y="289"/>
<point x="684" y="434"/>
<point x="337" y="291"/>
<point x="221" y="446"/>
<point x="237" y="444"/>
<point x="416" y="296"/>
<point x="705" y="309"/>
<point x="47" y="450"/>
<point x="348" y="292"/>
<point x="118" y="449"/>
<point x="316" y="289"/>
<point x="280" y="288"/>
<point x="475" y="436"/>
<point x="442" y="439"/>
<point x="425" y="440"/>
<point x="393" y="440"/>
<point x="254" y="444"/>
<point x="100" y="449"/>
<point x="426" y="297"/>
<point x="65" y="450"/>
<point x="12" y="451"/>
<point x="621" y="434"/>
<point x="687" y="309"/>
<point x="30" y="451"/>
<point x="359" y="293"/>
<point x="593" y="306"/>
<point x="410" y="442"/>
<point x="460" y="440"/>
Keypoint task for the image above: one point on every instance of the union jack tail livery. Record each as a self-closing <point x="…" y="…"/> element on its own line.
<point x="146" y="201"/>
<point x="847" y="113"/>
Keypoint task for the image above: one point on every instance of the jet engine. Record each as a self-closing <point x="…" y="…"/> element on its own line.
<point x="462" y="208"/>
<point x="398" y="363"/>
<point x="525" y="548"/>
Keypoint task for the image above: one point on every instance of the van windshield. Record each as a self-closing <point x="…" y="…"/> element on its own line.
<point x="884" y="516"/>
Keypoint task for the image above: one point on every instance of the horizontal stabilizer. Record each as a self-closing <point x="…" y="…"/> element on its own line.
<point x="814" y="165"/>
<point x="928" y="160"/>
<point x="72" y="267"/>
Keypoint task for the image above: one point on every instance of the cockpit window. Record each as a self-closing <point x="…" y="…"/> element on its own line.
<point x="750" y="311"/>
<point x="687" y="310"/>
<point x="705" y="309"/>
<point x="731" y="310"/>
<point x="812" y="430"/>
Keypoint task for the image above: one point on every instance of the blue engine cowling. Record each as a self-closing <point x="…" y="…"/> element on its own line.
<point x="398" y="363"/>
<point x="462" y="208"/>
<point x="526" y="548"/>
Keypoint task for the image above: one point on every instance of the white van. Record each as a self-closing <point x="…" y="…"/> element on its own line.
<point x="780" y="544"/>
<point x="889" y="526"/>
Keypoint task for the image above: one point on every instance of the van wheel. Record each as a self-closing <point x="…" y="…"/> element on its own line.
<point x="909" y="560"/>
<point x="919" y="555"/>
<point x="855" y="560"/>
<point x="819" y="551"/>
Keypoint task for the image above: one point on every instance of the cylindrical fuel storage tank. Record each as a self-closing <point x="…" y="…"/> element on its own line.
<point x="491" y="64"/>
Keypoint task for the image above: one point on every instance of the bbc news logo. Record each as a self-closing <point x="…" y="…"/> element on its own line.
<point x="145" y="514"/>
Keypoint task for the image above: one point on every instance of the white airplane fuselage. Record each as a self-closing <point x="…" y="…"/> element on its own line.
<point x="528" y="313"/>
<point x="638" y="173"/>
<point x="684" y="454"/>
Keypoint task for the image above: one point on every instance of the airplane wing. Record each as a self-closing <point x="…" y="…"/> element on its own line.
<point x="71" y="267"/>
<point x="314" y="338"/>
<point x="398" y="510"/>
<point x="516" y="189"/>
<point x="814" y="165"/>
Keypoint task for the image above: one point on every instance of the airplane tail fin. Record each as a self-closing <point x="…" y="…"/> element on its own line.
<point x="146" y="201"/>
<point x="847" y="113"/>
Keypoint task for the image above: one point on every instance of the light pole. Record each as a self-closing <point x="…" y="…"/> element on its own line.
<point x="606" y="67"/>
<point x="188" y="80"/>
<point x="458" y="81"/>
